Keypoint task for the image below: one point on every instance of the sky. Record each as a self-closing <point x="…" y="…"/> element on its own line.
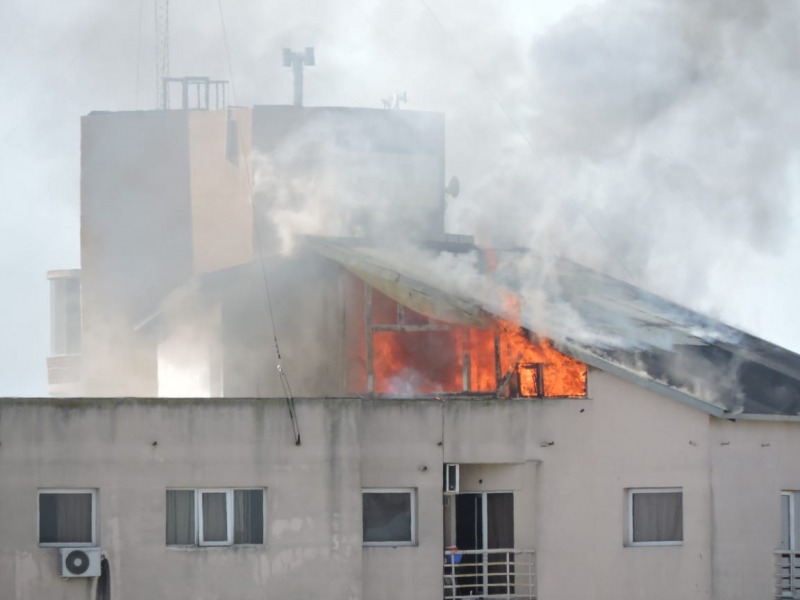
<point x="655" y="140"/>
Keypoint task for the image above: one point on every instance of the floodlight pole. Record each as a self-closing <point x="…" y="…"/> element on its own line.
<point x="297" y="60"/>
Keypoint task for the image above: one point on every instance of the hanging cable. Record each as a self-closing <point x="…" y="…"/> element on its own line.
<point x="284" y="379"/>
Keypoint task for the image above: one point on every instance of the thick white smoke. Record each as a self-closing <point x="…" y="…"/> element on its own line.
<point x="662" y="141"/>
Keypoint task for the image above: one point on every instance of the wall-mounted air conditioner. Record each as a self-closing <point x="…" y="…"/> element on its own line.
<point x="80" y="562"/>
<point x="451" y="478"/>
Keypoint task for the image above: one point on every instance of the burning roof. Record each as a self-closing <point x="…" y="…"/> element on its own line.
<point x="451" y="318"/>
<point x="587" y="316"/>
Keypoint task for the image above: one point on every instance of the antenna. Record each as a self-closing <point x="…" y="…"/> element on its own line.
<point x="393" y="100"/>
<point x="453" y="187"/>
<point x="162" y="52"/>
<point x="297" y="60"/>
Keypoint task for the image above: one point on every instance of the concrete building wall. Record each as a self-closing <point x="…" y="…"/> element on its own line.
<point x="220" y="186"/>
<point x="622" y="437"/>
<point x="308" y="313"/>
<point x="135" y="240"/>
<point x="752" y="463"/>
<point x="400" y="443"/>
<point x="582" y="456"/>
<point x="131" y="451"/>
<point x="568" y="464"/>
<point x="165" y="195"/>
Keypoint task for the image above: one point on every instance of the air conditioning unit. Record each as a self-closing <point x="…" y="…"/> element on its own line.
<point x="451" y="478"/>
<point x="80" y="562"/>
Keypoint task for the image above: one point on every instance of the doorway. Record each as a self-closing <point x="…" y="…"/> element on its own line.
<point x="485" y="521"/>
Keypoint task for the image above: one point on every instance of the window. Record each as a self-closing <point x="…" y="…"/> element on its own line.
<point x="215" y="517"/>
<point x="67" y="517"/>
<point x="790" y="528"/>
<point x="389" y="517"/>
<point x="655" y="517"/>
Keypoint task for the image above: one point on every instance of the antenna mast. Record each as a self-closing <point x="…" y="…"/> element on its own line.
<point x="162" y="52"/>
<point x="298" y="60"/>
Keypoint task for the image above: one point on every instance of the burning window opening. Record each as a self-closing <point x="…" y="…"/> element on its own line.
<point x="394" y="350"/>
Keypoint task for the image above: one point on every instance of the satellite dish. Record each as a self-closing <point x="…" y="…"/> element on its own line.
<point x="453" y="187"/>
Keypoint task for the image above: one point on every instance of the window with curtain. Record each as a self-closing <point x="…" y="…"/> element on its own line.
<point x="389" y="517"/>
<point x="248" y="516"/>
<point x="215" y="517"/>
<point x="66" y="517"/>
<point x="655" y="516"/>
<point x="180" y="517"/>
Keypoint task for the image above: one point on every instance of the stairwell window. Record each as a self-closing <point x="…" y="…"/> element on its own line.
<point x="67" y="517"/>
<point x="389" y="516"/>
<point x="655" y="517"/>
<point x="215" y="517"/>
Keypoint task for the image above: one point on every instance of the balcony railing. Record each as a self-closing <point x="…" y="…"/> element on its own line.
<point x="787" y="574"/>
<point x="498" y="573"/>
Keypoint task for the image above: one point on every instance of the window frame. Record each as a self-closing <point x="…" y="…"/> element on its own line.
<point x="200" y="522"/>
<point x="199" y="525"/>
<point x="792" y="495"/>
<point x="92" y="543"/>
<point x="651" y="490"/>
<point x="412" y="492"/>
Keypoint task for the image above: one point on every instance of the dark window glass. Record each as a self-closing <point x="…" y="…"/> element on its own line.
<point x="657" y="517"/>
<point x="248" y="517"/>
<point x="215" y="517"/>
<point x="387" y="517"/>
<point x="65" y="518"/>
<point x="180" y="517"/>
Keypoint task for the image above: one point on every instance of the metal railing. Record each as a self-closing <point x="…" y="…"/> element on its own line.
<point x="787" y="574"/>
<point x="497" y="573"/>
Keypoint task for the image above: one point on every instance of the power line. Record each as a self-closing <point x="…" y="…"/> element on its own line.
<point x="162" y="50"/>
<point x="283" y="377"/>
<point x="139" y="53"/>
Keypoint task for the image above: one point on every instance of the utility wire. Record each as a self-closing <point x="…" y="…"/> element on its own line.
<point x="284" y="379"/>
<point x="139" y="53"/>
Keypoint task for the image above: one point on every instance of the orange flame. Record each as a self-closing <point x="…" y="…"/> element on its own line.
<point x="436" y="358"/>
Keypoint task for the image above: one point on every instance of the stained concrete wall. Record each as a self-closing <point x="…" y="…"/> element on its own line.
<point x="132" y="450"/>
<point x="567" y="462"/>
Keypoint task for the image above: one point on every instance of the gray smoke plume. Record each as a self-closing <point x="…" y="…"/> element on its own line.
<point x="662" y="144"/>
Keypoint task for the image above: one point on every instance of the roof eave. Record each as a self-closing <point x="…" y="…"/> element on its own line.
<point x="592" y="360"/>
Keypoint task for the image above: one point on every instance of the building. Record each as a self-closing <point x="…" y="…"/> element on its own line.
<point x="445" y="421"/>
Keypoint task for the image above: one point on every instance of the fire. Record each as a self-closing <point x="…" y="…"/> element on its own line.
<point x="397" y="351"/>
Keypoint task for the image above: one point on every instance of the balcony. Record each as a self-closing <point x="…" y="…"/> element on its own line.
<point x="787" y="574"/>
<point x="502" y="573"/>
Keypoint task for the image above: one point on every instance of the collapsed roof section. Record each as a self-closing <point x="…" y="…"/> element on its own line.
<point x="604" y="322"/>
